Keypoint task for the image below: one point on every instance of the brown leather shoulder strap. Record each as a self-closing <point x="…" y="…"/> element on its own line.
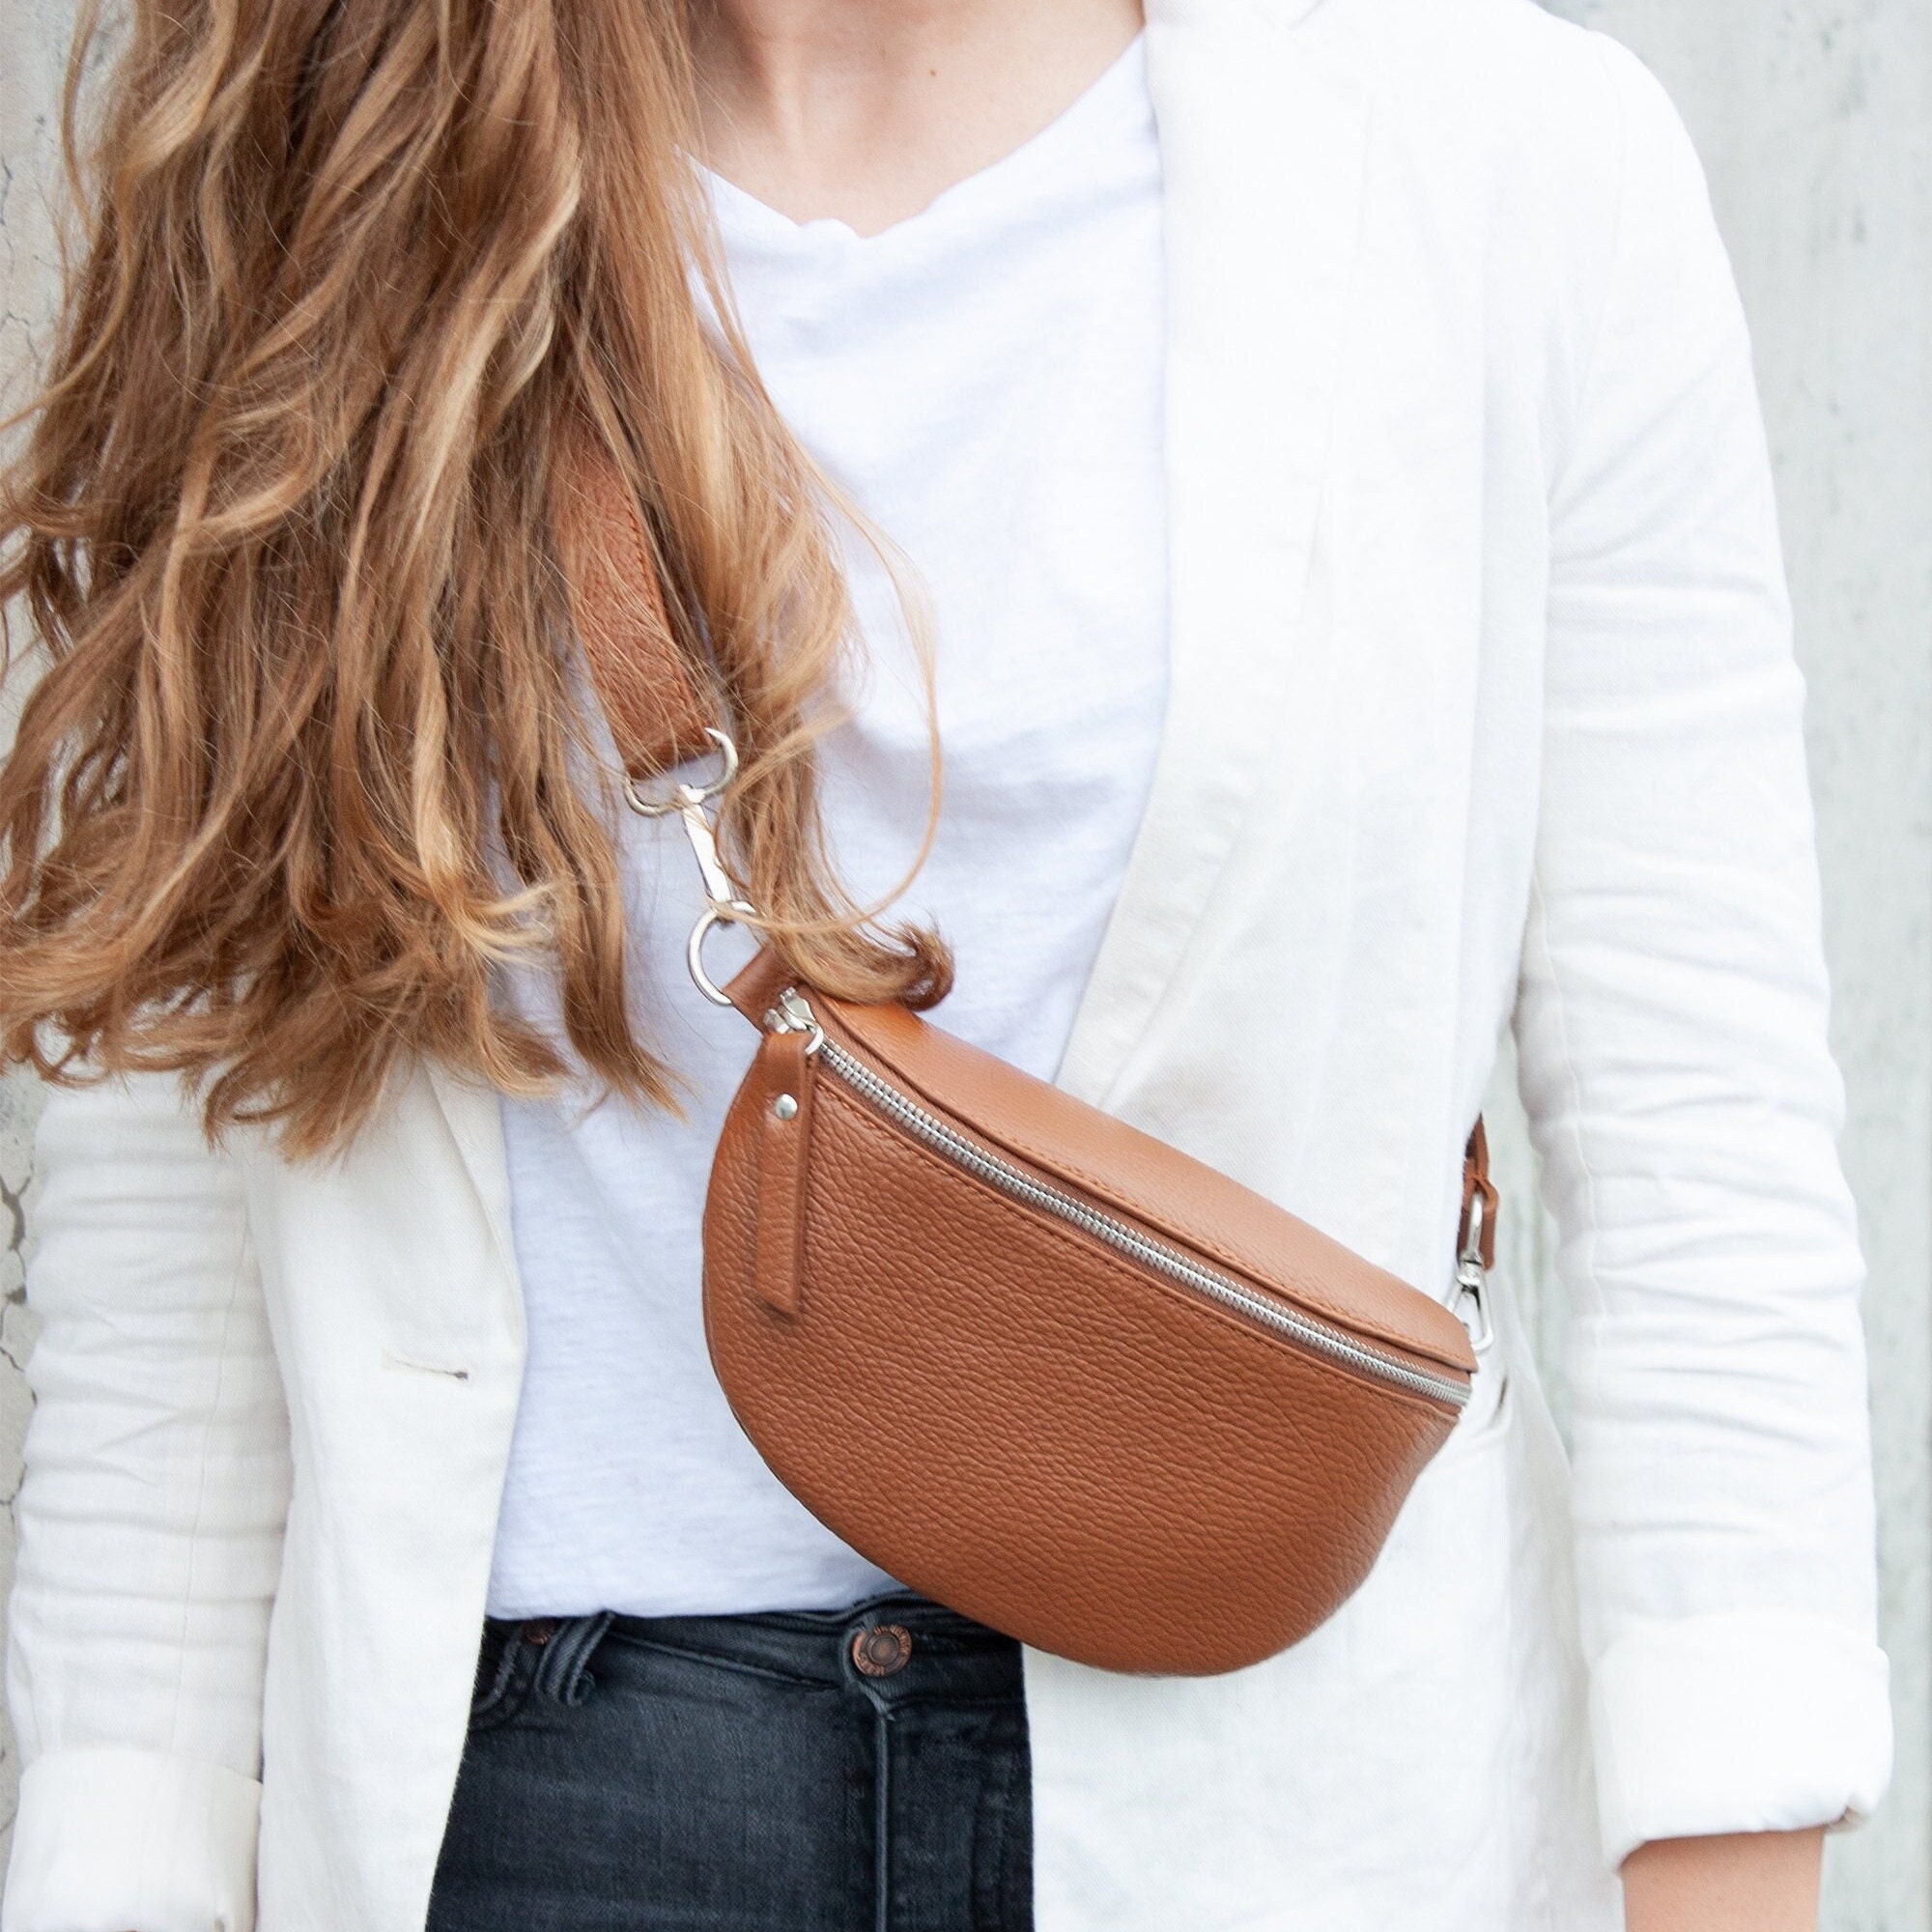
<point x="642" y="678"/>
<point x="1477" y="1187"/>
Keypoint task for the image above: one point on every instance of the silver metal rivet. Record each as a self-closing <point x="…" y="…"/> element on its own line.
<point x="784" y="1107"/>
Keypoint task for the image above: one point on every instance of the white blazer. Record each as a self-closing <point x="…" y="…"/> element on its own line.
<point x="1483" y="712"/>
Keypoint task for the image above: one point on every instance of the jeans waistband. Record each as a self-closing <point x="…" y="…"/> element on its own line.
<point x="891" y="1647"/>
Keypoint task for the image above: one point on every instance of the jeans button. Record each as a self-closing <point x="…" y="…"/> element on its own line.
<point x="880" y="1650"/>
<point x="539" y="1630"/>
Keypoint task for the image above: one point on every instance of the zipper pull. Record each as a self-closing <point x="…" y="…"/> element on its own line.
<point x="793" y="1014"/>
<point x="784" y="1150"/>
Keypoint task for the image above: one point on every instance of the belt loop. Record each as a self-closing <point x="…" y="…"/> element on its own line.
<point x="497" y="1662"/>
<point x="561" y="1671"/>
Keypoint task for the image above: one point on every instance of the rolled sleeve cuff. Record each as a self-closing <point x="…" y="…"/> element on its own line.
<point x="1754" y="1722"/>
<point x="109" y="1838"/>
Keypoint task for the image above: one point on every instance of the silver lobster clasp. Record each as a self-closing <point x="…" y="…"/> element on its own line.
<point x="688" y="804"/>
<point x="1472" y="1280"/>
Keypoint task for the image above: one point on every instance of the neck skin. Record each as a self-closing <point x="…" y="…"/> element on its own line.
<point x="865" y="110"/>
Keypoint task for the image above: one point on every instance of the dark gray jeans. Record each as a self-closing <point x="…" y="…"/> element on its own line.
<point x="855" y="1771"/>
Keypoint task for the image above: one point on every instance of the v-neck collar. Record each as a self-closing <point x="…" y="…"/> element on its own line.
<point x="1116" y="100"/>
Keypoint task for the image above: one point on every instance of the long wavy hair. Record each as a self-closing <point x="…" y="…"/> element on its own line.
<point x="351" y="276"/>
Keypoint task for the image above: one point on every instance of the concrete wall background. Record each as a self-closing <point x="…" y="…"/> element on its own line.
<point x="1815" y="121"/>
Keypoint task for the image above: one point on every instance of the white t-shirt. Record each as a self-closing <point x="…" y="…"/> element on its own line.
<point x="984" y="380"/>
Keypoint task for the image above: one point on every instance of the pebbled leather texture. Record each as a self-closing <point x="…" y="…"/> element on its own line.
<point x="1011" y="1416"/>
<point x="1150" y="1182"/>
<point x="648" y="686"/>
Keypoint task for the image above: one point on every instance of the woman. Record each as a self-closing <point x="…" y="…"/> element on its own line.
<point x="1317" y="446"/>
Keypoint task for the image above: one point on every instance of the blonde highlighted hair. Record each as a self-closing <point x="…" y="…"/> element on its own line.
<point x="353" y="275"/>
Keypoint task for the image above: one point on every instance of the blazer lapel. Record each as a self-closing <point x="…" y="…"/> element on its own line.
<point x="473" y="1114"/>
<point x="1263" y="144"/>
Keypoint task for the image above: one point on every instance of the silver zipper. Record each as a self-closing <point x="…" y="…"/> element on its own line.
<point x="793" y="1014"/>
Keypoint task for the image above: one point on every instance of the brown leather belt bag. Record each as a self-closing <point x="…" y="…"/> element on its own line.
<point x="1030" y="1361"/>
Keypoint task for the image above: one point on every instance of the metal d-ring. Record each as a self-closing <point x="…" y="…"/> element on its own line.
<point x="683" y="794"/>
<point x="694" y="947"/>
<point x="722" y="904"/>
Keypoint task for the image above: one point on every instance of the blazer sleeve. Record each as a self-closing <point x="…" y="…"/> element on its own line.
<point x="151" y="1521"/>
<point x="1671" y="1029"/>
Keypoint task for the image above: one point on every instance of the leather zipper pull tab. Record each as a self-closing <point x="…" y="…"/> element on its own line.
<point x="785" y="1152"/>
